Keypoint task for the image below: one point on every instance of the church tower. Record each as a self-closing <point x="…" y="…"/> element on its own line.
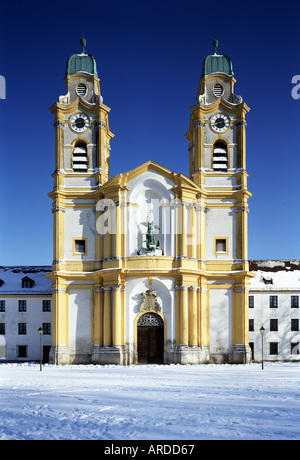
<point x="82" y="151"/>
<point x="218" y="166"/>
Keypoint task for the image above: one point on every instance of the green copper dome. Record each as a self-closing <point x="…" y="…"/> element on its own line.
<point x="216" y="63"/>
<point x="81" y="62"/>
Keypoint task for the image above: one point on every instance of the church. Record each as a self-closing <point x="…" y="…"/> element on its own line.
<point x="150" y="266"/>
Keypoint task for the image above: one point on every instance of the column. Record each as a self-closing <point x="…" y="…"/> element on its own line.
<point x="58" y="232"/>
<point x="184" y="324"/>
<point x="98" y="316"/>
<point x="192" y="231"/>
<point x="117" y="236"/>
<point x="59" y="353"/>
<point x="200" y="219"/>
<point x="117" y="316"/>
<point x="203" y="316"/>
<point x="107" y="325"/>
<point x="242" y="232"/>
<point x="183" y="239"/>
<point x="240" y="326"/>
<point x="194" y="316"/>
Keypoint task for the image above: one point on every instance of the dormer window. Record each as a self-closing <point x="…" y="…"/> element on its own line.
<point x="80" y="160"/>
<point x="1" y="283"/>
<point x="27" y="283"/>
<point x="267" y="280"/>
<point x="220" y="157"/>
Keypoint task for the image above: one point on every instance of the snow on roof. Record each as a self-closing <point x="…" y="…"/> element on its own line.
<point x="272" y="275"/>
<point x="12" y="280"/>
<point x="280" y="281"/>
<point x="274" y="265"/>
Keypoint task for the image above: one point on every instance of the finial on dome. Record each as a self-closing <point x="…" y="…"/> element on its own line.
<point x="83" y="44"/>
<point x="215" y="45"/>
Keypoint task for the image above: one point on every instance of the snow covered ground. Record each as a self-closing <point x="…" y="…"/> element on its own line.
<point x="150" y="402"/>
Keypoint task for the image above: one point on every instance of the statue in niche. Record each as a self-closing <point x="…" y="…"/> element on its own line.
<point x="151" y="245"/>
<point x="149" y="301"/>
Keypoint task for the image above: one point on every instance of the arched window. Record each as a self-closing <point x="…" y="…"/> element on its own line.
<point x="220" y="157"/>
<point x="80" y="159"/>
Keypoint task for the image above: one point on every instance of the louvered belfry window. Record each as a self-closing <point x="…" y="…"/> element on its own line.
<point x="80" y="160"/>
<point x="81" y="90"/>
<point x="218" y="90"/>
<point x="220" y="157"/>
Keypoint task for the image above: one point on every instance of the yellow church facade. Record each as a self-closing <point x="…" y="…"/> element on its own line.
<point x="150" y="266"/>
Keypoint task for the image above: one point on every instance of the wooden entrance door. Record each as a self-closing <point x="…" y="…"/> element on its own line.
<point x="150" y="339"/>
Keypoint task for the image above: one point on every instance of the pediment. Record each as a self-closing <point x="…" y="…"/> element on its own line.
<point x="178" y="180"/>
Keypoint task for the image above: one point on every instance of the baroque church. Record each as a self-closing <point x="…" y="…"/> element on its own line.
<point x="150" y="266"/>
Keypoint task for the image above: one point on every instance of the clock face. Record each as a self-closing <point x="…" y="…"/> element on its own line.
<point x="80" y="122"/>
<point x="220" y="123"/>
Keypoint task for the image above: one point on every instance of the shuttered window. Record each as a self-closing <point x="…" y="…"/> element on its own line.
<point x="218" y="90"/>
<point x="81" y="90"/>
<point x="220" y="157"/>
<point x="80" y="160"/>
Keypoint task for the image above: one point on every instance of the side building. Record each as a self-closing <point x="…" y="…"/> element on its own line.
<point x="25" y="306"/>
<point x="274" y="305"/>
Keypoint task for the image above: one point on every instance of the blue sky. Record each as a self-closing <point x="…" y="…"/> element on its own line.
<point x="149" y="57"/>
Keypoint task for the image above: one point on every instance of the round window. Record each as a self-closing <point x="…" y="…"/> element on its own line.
<point x="218" y="90"/>
<point x="81" y="90"/>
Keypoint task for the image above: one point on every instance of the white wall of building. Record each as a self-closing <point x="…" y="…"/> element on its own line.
<point x="283" y="285"/>
<point x="80" y="223"/>
<point x="11" y="293"/>
<point x="80" y="321"/>
<point x="220" y="305"/>
<point x="34" y="318"/>
<point x="262" y="315"/>
<point x="220" y="223"/>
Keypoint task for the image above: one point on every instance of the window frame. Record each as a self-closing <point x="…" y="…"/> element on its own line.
<point x="273" y="325"/>
<point x="23" y="347"/>
<point x="22" y="306"/>
<point x="76" y="253"/>
<point x="219" y="144"/>
<point x="294" y="300"/>
<point x="251" y="301"/>
<point x="22" y="328"/>
<point x="218" y="240"/>
<point x="273" y="348"/>
<point x="272" y="298"/>
<point x="48" y="307"/>
<point x="82" y="169"/>
<point x="47" y="329"/>
<point x="294" y="324"/>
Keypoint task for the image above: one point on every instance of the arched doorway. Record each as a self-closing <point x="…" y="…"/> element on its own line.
<point x="150" y="339"/>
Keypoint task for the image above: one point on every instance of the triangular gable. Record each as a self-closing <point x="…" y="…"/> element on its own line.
<point x="179" y="179"/>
